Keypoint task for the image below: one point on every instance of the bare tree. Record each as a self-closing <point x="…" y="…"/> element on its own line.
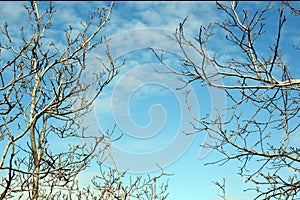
<point x="46" y="90"/>
<point x="222" y="187"/>
<point x="262" y="114"/>
<point x="40" y="85"/>
<point x="111" y="185"/>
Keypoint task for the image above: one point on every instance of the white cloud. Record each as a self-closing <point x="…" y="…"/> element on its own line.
<point x="161" y="14"/>
<point x="141" y="79"/>
<point x="12" y="12"/>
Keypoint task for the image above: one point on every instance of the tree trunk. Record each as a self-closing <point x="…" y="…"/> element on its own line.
<point x="36" y="179"/>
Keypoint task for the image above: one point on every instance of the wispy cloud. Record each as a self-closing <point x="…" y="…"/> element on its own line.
<point x="161" y="14"/>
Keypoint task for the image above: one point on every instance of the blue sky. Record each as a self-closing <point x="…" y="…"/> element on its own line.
<point x="146" y="106"/>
